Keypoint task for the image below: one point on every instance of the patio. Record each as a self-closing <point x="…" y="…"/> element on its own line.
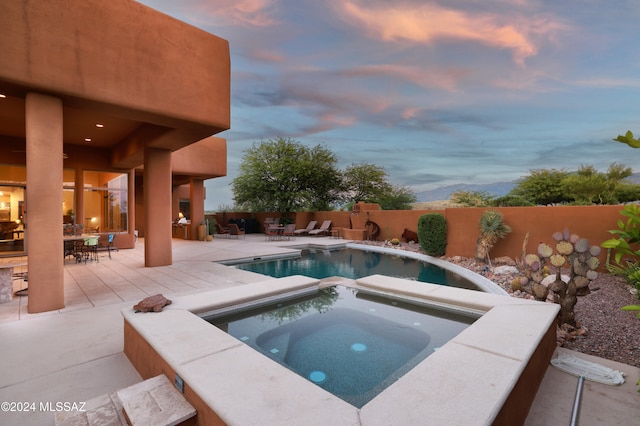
<point x="76" y="353"/>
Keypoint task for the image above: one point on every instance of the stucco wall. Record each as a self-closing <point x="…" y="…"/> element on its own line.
<point x="591" y="222"/>
<point x="97" y="50"/>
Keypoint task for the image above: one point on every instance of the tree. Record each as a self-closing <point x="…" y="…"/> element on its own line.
<point x="284" y="175"/>
<point x="398" y="198"/>
<point x="542" y="187"/>
<point x="627" y="192"/>
<point x="472" y="198"/>
<point x="588" y="186"/>
<point x="365" y="182"/>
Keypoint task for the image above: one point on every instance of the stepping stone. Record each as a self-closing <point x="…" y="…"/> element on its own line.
<point x="104" y="410"/>
<point x="155" y="402"/>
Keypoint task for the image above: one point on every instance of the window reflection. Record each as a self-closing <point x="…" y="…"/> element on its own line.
<point x="12" y="195"/>
<point x="105" y="202"/>
<point x="11" y="218"/>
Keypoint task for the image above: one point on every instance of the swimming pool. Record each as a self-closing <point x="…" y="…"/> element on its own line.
<point x="351" y="343"/>
<point x="352" y="263"/>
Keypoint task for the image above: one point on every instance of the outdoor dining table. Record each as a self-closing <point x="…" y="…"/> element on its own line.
<point x="275" y="232"/>
<point x="69" y="242"/>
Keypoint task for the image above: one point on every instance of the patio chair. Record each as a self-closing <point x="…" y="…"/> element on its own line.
<point x="107" y="244"/>
<point x="221" y="230"/>
<point x="235" y="231"/>
<point x="90" y="249"/>
<point x="324" y="229"/>
<point x="289" y="231"/>
<point x="272" y="231"/>
<point x="309" y="227"/>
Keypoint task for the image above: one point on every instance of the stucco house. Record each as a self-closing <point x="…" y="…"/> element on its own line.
<point x="108" y="112"/>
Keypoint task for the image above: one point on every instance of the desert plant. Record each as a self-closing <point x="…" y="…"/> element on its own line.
<point x="432" y="234"/>
<point x="570" y="252"/>
<point x="628" y="237"/>
<point x="492" y="229"/>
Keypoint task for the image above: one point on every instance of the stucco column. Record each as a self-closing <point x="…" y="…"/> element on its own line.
<point x="43" y="118"/>
<point x="157" y="207"/>
<point x="196" y="199"/>
<point x="131" y="206"/>
<point x="79" y="193"/>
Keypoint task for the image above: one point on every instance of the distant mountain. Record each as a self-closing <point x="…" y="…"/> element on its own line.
<point x="497" y="189"/>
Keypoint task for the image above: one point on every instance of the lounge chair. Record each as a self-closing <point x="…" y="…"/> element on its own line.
<point x="324" y="229"/>
<point x="306" y="230"/>
<point x="221" y="230"/>
<point x="234" y="231"/>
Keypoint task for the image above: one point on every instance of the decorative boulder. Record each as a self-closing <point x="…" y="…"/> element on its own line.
<point x="153" y="303"/>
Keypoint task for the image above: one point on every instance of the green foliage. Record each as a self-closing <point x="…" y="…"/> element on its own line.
<point x="628" y="235"/>
<point x="472" y="198"/>
<point x="627" y="192"/>
<point x="492" y="229"/>
<point x="628" y="139"/>
<point x="398" y="198"/>
<point x="432" y="234"/>
<point x="588" y="186"/>
<point x="284" y="175"/>
<point x="542" y="187"/>
<point x="511" y="201"/>
<point x="585" y="187"/>
<point x="365" y="182"/>
<point x="632" y="308"/>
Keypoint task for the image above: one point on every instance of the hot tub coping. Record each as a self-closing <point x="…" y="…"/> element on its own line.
<point x="467" y="381"/>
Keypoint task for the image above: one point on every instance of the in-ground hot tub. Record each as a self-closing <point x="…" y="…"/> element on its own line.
<point x="348" y="341"/>
<point x="487" y="374"/>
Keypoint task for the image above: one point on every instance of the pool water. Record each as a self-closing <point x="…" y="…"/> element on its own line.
<point x="354" y="264"/>
<point x="350" y="343"/>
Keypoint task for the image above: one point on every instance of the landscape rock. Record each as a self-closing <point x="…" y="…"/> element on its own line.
<point x="153" y="303"/>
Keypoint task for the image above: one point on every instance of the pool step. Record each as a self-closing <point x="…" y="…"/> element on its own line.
<point x="154" y="402"/>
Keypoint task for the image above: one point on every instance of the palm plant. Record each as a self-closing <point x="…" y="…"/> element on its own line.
<point x="492" y="229"/>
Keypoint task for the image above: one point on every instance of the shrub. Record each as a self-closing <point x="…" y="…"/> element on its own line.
<point x="511" y="201"/>
<point x="492" y="229"/>
<point x="432" y="234"/>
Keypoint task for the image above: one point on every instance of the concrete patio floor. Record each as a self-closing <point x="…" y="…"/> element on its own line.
<point x="76" y="353"/>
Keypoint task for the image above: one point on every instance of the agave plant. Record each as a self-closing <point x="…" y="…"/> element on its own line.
<point x="492" y="229"/>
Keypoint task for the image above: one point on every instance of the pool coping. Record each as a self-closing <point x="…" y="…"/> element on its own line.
<point x="469" y="380"/>
<point x="482" y="282"/>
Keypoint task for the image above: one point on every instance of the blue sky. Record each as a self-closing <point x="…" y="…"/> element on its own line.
<point x="436" y="92"/>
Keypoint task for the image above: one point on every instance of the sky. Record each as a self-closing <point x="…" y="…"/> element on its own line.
<point x="436" y="92"/>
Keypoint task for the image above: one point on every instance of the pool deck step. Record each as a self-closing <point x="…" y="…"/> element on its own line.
<point x="153" y="402"/>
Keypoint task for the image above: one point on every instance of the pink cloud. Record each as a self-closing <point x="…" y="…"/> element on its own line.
<point x="257" y="13"/>
<point x="430" y="23"/>
<point x="444" y="79"/>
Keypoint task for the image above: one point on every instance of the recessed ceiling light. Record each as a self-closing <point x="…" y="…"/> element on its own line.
<point x="2" y="95"/>
<point x="99" y="125"/>
<point x="87" y="139"/>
